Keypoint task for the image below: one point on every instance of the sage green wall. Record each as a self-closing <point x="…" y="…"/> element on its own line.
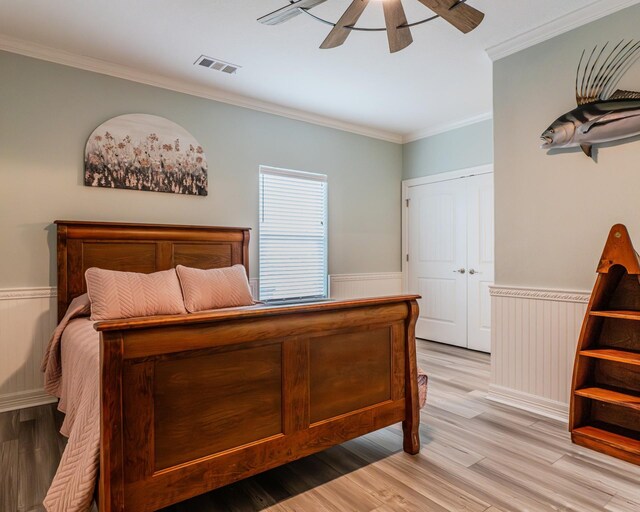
<point x="553" y="212"/>
<point x="47" y="111"/>
<point x="469" y="146"/>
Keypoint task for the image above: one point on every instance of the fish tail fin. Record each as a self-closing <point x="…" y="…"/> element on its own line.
<point x="587" y="149"/>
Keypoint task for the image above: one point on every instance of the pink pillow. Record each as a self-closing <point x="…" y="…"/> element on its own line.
<point x="127" y="294"/>
<point x="215" y="288"/>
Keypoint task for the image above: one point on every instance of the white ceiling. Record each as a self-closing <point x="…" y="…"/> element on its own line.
<point x="444" y="77"/>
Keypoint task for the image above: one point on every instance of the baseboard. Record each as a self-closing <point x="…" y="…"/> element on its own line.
<point x="24" y="399"/>
<point x="531" y="403"/>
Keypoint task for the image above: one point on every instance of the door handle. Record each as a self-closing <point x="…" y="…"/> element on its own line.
<point x="460" y="271"/>
<point x="472" y="272"/>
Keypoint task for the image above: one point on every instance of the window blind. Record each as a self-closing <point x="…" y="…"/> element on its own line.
<point x="292" y="235"/>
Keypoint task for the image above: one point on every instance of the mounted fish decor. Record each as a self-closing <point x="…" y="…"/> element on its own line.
<point x="604" y="113"/>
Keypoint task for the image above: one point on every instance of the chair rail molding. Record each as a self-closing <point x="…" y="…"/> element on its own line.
<point x="534" y="337"/>
<point x="581" y="297"/>
<point x="27" y="293"/>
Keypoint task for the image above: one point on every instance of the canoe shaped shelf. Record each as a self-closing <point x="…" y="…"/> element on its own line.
<point x="605" y="394"/>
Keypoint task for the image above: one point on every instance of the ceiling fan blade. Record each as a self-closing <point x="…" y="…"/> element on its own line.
<point x="462" y="16"/>
<point x="288" y="11"/>
<point x="394" y="17"/>
<point x="339" y="33"/>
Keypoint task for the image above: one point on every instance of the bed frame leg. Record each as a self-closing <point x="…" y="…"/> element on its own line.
<point x="111" y="484"/>
<point x="411" y="443"/>
<point x="411" y="424"/>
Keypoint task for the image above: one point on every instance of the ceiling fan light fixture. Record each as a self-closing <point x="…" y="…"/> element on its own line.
<point x="456" y="12"/>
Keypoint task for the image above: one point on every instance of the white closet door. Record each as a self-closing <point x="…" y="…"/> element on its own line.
<point x="480" y="273"/>
<point x="438" y="255"/>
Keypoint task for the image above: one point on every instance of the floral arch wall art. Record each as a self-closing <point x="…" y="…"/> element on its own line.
<point x="145" y="152"/>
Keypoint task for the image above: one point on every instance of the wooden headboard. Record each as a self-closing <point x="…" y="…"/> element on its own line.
<point x="141" y="248"/>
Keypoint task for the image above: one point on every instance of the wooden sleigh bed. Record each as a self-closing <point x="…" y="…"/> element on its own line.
<point x="194" y="402"/>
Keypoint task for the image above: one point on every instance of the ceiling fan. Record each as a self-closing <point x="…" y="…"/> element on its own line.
<point x="462" y="16"/>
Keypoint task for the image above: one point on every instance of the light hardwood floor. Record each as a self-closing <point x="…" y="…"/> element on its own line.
<point x="476" y="456"/>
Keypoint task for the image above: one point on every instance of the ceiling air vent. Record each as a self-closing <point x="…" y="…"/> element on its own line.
<point x="216" y="64"/>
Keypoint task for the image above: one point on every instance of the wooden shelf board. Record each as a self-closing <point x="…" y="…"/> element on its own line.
<point x="612" y="354"/>
<point x="599" y="409"/>
<point x="623" y="398"/>
<point x="615" y="437"/>
<point x="623" y="314"/>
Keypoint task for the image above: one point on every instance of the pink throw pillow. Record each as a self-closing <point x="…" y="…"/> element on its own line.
<point x="129" y="294"/>
<point x="214" y="288"/>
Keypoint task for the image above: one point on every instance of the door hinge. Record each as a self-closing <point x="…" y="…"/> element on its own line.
<point x="407" y="201"/>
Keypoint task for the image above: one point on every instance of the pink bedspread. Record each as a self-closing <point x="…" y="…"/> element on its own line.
<point x="72" y="373"/>
<point x="71" y="367"/>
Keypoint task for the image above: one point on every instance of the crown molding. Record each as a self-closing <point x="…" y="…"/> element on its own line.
<point x="37" y="51"/>
<point x="446" y="127"/>
<point x="569" y="21"/>
<point x="540" y="294"/>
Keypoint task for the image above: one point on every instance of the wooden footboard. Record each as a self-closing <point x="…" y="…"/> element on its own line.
<point x="195" y="402"/>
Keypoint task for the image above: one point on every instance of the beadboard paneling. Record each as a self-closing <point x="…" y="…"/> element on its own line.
<point x="27" y="319"/>
<point x="534" y="338"/>
<point x="351" y="286"/>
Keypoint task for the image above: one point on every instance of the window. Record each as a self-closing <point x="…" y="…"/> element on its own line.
<point x="293" y="235"/>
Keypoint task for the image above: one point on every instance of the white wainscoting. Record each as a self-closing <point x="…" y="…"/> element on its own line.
<point x="351" y="286"/>
<point x="534" y="338"/>
<point x="27" y="319"/>
<point x="255" y="287"/>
